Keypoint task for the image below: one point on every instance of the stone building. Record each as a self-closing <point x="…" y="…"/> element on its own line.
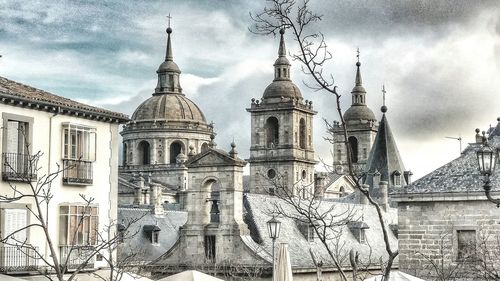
<point x="361" y="127"/>
<point x="195" y="211"/>
<point x="281" y="134"/>
<point x="444" y="218"/>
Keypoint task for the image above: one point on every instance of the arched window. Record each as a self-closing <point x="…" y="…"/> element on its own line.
<point x="144" y="153"/>
<point x="304" y="174"/>
<point x="302" y="133"/>
<point x="124" y="155"/>
<point x="204" y="147"/>
<point x="353" y="143"/>
<point x="272" y="132"/>
<point x="341" y="191"/>
<point x="339" y="155"/>
<point x="175" y="149"/>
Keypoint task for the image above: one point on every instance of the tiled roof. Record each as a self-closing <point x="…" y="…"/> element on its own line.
<point x="459" y="175"/>
<point x="15" y="93"/>
<point x="299" y="246"/>
<point x="139" y="242"/>
<point x="384" y="155"/>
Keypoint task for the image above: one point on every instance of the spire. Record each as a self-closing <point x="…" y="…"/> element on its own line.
<point x="168" y="72"/>
<point x="358" y="92"/>
<point x="282" y="65"/>
<point x="168" y="55"/>
<point x="282" y="48"/>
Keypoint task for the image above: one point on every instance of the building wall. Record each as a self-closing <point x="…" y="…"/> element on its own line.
<point x="47" y="129"/>
<point x="429" y="230"/>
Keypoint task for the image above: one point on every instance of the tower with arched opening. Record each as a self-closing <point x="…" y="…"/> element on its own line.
<point x="282" y="130"/>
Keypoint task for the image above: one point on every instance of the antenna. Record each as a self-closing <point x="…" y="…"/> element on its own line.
<point x="459" y="139"/>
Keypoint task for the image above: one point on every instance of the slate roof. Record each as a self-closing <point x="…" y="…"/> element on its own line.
<point x="15" y="93"/>
<point x="459" y="175"/>
<point x="137" y="239"/>
<point x="384" y="155"/>
<point x="299" y="246"/>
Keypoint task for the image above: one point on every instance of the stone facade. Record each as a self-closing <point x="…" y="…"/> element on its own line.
<point x="282" y="130"/>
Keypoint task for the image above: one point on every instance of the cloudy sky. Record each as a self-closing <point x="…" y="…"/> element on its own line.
<point x="439" y="60"/>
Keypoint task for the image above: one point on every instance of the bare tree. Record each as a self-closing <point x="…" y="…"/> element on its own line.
<point x="313" y="54"/>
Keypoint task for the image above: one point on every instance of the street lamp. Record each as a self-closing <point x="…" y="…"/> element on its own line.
<point x="273" y="226"/>
<point x="487" y="159"/>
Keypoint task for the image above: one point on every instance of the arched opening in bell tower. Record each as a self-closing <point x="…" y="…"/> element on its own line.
<point x="175" y="149"/>
<point x="144" y="153"/>
<point x="302" y="133"/>
<point x="353" y="144"/>
<point x="272" y="132"/>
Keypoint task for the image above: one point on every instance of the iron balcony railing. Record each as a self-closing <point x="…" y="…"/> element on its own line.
<point x="18" y="259"/>
<point x="77" y="172"/>
<point x="77" y="256"/>
<point x="18" y="167"/>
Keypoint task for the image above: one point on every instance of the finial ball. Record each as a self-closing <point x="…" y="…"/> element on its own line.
<point x="282" y="31"/>
<point x="358" y="64"/>
<point x="383" y="109"/>
<point x="477" y="130"/>
<point x="233" y="145"/>
<point x="498" y="119"/>
<point x="169" y="30"/>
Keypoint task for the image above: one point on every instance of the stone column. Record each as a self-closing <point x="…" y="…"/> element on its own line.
<point x="384" y="195"/>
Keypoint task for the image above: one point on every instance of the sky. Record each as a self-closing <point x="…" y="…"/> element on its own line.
<point x="439" y="61"/>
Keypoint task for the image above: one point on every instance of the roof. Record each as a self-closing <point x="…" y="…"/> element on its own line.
<point x="169" y="107"/>
<point x="359" y="112"/>
<point x="15" y="93"/>
<point x="261" y="208"/>
<point x="282" y="88"/>
<point x="384" y="155"/>
<point x="136" y="237"/>
<point x="457" y="176"/>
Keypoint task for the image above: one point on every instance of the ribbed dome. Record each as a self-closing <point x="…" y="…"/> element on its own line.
<point x="169" y="107"/>
<point x="359" y="112"/>
<point x="282" y="88"/>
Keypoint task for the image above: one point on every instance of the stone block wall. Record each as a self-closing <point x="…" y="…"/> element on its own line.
<point x="428" y="233"/>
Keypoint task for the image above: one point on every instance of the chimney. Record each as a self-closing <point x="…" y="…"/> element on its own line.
<point x="155" y="198"/>
<point x="384" y="195"/>
<point x="319" y="184"/>
<point x="362" y="198"/>
<point x="138" y="181"/>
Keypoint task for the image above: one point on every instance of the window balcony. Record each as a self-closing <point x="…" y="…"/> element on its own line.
<point x="76" y="256"/>
<point x="18" y="167"/>
<point x="18" y="259"/>
<point x="77" y="172"/>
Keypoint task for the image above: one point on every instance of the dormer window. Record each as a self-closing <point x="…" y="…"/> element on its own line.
<point x="397" y="178"/>
<point x="307" y="230"/>
<point x="407" y="175"/>
<point x="152" y="232"/>
<point x="358" y="229"/>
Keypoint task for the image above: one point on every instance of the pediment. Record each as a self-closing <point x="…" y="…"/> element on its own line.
<point x="214" y="157"/>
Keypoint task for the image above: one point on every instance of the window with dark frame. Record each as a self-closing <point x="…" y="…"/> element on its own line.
<point x="210" y="247"/>
<point x="466" y="244"/>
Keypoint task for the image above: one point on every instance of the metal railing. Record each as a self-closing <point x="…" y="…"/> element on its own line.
<point x="18" y="259"/>
<point x="18" y="167"/>
<point x="77" y="256"/>
<point x="77" y="172"/>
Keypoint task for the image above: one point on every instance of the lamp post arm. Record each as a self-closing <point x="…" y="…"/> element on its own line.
<point x="487" y="191"/>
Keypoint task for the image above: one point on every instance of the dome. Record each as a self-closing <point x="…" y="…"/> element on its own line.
<point x="282" y="88"/>
<point x="169" y="107"/>
<point x="359" y="112"/>
<point x="169" y="66"/>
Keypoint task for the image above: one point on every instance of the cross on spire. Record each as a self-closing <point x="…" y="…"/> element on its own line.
<point x="357" y="54"/>
<point x="383" y="94"/>
<point x="169" y="18"/>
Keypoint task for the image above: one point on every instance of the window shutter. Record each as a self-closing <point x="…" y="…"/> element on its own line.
<point x="15" y="219"/>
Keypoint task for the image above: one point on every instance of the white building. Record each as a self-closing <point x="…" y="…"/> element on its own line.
<point x="80" y="140"/>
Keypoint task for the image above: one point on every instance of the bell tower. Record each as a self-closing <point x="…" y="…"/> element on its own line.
<point x="362" y="128"/>
<point x="281" y="150"/>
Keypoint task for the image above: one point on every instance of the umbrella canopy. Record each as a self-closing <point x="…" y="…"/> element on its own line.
<point x="396" y="276"/>
<point x="190" y="275"/>
<point x="283" y="266"/>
